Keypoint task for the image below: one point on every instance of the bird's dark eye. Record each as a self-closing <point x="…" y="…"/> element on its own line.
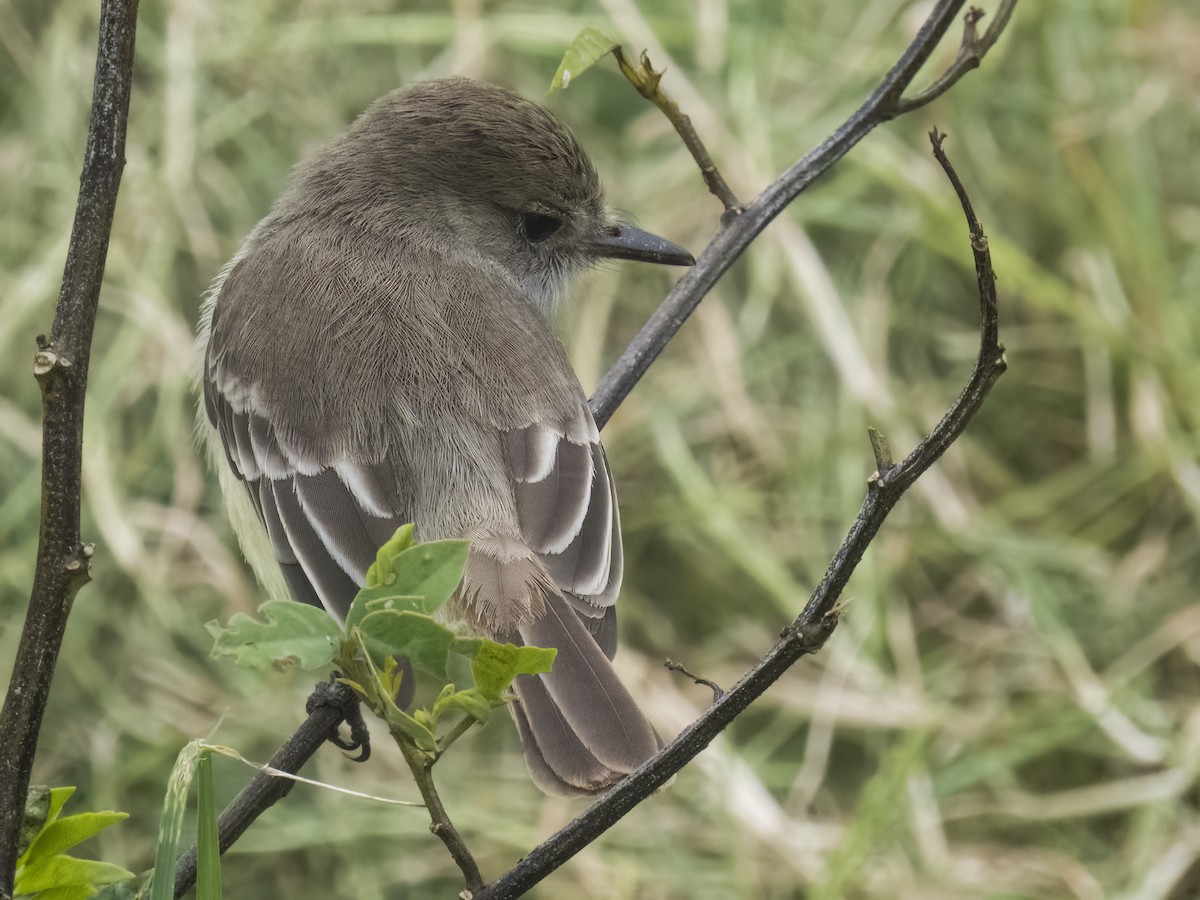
<point x="537" y="227"/>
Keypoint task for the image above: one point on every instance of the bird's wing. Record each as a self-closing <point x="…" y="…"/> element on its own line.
<point x="324" y="523"/>
<point x="567" y="509"/>
<point x="330" y="483"/>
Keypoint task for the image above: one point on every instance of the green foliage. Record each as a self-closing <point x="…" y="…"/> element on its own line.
<point x="391" y="619"/>
<point x="170" y="824"/>
<point x="419" y="578"/>
<point x="589" y="47"/>
<point x="208" y="851"/>
<point x="44" y="870"/>
<point x="293" y="634"/>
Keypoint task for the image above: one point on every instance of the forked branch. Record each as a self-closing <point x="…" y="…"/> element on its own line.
<point x="817" y="621"/>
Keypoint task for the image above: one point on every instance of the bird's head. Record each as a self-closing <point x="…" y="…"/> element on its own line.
<point x="476" y="169"/>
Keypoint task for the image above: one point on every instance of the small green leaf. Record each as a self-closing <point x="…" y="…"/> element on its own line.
<point x="44" y="869"/>
<point x="379" y="695"/>
<point x="431" y="570"/>
<point x="64" y="833"/>
<point x="494" y="665"/>
<point x="423" y="641"/>
<point x="73" y="892"/>
<point x="458" y="661"/>
<point x="370" y="600"/>
<point x="66" y="871"/>
<point x="422" y="578"/>
<point x="381" y="569"/>
<point x="293" y="634"/>
<point x="470" y="701"/>
<point x="588" y="48"/>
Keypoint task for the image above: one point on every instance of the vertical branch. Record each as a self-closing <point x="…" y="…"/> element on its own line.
<point x="61" y="367"/>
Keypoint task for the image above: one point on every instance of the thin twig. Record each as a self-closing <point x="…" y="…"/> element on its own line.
<point x="61" y="368"/>
<point x="970" y="52"/>
<point x="737" y="233"/>
<point x="447" y="741"/>
<point x="819" y="618"/>
<point x="717" y="691"/>
<point x="421" y="766"/>
<point x="882" y="450"/>
<point x="646" y="79"/>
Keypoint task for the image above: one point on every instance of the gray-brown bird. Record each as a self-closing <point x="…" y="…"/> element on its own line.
<point x="379" y="352"/>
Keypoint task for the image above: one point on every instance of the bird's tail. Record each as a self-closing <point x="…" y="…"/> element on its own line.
<point x="581" y="730"/>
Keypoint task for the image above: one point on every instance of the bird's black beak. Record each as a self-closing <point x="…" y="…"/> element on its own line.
<point x="627" y="242"/>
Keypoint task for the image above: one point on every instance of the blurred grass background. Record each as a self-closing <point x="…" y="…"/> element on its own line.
<point x="1011" y="707"/>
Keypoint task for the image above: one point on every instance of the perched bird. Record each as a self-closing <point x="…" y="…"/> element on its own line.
<point x="379" y="352"/>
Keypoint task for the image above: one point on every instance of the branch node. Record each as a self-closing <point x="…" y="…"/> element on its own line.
<point x="46" y="361"/>
<point x="647" y="80"/>
<point x="717" y="691"/>
<point x="78" y="565"/>
<point x="883" y="454"/>
<point x="811" y="636"/>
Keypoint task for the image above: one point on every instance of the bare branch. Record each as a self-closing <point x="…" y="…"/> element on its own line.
<point x="61" y="368"/>
<point x="818" y="619"/>
<point x="717" y="691"/>
<point x="736" y="233"/>
<point x="440" y="824"/>
<point x="970" y="52"/>
<point x="646" y="79"/>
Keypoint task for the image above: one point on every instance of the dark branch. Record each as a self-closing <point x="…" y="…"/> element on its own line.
<point x="736" y="233"/>
<point x="61" y="368"/>
<point x="814" y="624"/>
<point x="970" y="52"/>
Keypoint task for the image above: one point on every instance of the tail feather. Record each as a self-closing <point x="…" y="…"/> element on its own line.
<point x="581" y="729"/>
<point x="557" y="760"/>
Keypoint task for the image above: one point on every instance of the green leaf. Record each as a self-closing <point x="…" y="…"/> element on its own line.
<point x="62" y="834"/>
<point x="470" y="701"/>
<point x="422" y="640"/>
<point x="431" y="570"/>
<point x="293" y="634"/>
<point x="588" y="48"/>
<point x="494" y="665"/>
<point x="458" y="661"/>
<point x="43" y="868"/>
<point x="170" y="826"/>
<point x="379" y="696"/>
<point x="66" y="871"/>
<point x="379" y="570"/>
<point x="208" y="852"/>
<point x="370" y="600"/>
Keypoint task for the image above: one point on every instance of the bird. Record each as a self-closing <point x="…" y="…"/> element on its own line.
<point x="381" y="350"/>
